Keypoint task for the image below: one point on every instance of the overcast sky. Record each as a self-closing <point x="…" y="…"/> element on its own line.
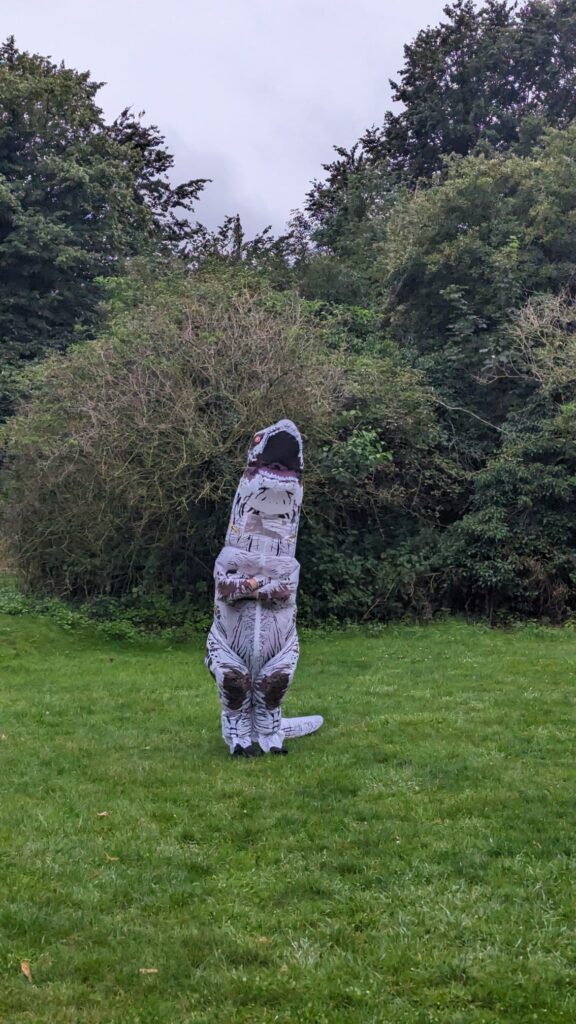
<point x="251" y="93"/>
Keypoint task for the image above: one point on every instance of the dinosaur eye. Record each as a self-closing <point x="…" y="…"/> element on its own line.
<point x="257" y="438"/>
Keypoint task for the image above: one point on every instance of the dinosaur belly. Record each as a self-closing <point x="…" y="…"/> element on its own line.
<point x="257" y="633"/>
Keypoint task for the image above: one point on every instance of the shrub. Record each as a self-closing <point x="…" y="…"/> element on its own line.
<point x="122" y="463"/>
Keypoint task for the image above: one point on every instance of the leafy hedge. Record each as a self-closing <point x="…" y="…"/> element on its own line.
<point x="121" y="465"/>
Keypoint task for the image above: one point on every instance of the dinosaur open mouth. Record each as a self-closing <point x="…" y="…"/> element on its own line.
<point x="281" y="455"/>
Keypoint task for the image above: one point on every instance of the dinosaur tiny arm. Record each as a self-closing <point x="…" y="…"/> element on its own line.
<point x="276" y="590"/>
<point x="280" y="590"/>
<point x="231" y="588"/>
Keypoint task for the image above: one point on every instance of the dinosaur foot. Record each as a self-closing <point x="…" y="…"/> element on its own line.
<point x="252" y="751"/>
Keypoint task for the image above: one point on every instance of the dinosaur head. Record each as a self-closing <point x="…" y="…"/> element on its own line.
<point x="276" y="453"/>
<point x="266" y="509"/>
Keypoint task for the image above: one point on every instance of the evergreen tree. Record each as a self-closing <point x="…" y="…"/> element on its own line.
<point x="77" y="196"/>
<point x="486" y="79"/>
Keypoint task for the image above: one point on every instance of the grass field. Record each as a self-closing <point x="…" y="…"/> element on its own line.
<point x="413" y="863"/>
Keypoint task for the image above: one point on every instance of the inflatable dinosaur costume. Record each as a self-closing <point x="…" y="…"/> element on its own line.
<point x="253" y="644"/>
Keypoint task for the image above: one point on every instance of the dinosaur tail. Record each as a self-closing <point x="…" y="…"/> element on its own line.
<point x="294" y="727"/>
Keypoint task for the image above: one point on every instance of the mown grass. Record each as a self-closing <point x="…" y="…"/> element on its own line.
<point x="413" y="863"/>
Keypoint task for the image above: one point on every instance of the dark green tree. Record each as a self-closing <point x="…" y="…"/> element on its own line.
<point x="488" y="79"/>
<point x="142" y="147"/>
<point x="485" y="77"/>
<point x="77" y="196"/>
<point x="457" y="258"/>
<point x="515" y="548"/>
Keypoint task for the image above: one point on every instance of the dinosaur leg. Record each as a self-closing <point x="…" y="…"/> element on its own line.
<point x="270" y="689"/>
<point x="235" y="692"/>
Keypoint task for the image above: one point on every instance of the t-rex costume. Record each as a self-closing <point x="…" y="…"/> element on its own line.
<point x="253" y="644"/>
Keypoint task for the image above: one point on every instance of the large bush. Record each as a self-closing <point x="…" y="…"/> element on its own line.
<point x="122" y="464"/>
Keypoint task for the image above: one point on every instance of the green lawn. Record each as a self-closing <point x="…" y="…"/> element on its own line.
<point x="413" y="863"/>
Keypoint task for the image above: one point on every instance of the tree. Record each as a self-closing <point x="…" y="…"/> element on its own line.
<point x="458" y="257"/>
<point x="142" y="148"/>
<point x="482" y="76"/>
<point x="77" y="197"/>
<point x="488" y="79"/>
<point x="514" y="550"/>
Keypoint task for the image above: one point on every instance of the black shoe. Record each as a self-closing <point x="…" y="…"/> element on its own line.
<point x="278" y="750"/>
<point x="252" y="751"/>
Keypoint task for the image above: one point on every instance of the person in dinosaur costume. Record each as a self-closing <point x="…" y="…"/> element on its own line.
<point x="253" y="644"/>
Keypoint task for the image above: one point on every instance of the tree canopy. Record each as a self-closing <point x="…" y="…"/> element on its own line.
<point x="488" y="78"/>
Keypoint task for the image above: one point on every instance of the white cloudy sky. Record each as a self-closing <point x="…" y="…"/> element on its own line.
<point x="251" y="93"/>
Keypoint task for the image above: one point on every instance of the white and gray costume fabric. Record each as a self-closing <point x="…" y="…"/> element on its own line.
<point x="253" y="644"/>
